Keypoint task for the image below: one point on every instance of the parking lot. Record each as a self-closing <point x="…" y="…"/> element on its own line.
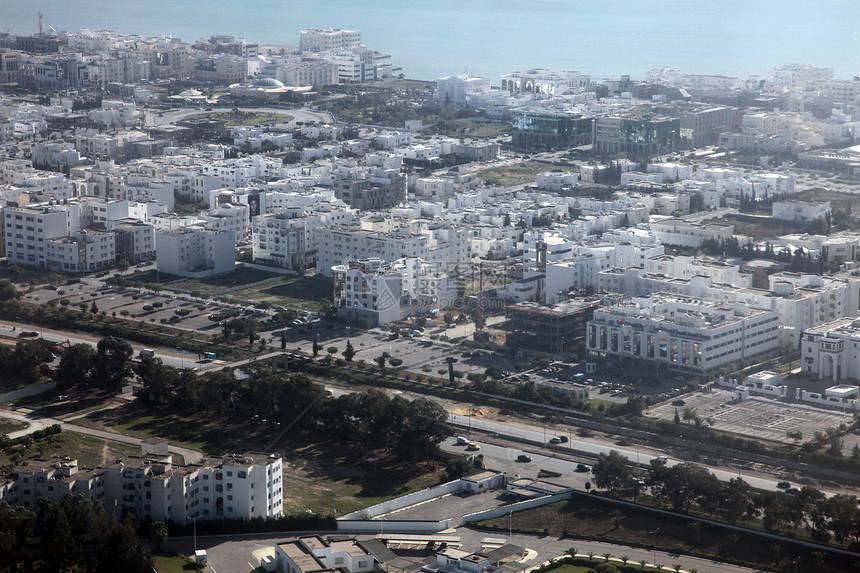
<point x="756" y="417"/>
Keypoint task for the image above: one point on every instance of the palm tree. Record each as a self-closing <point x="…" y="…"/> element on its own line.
<point x="607" y="556"/>
<point x="777" y="552"/>
<point x="818" y="557"/>
<point x="696" y="528"/>
<point x="676" y="567"/>
<point x="642" y="564"/>
<point x="624" y="559"/>
<point x="572" y="551"/>
<point x="590" y="555"/>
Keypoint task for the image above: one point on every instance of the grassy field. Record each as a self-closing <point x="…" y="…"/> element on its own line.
<point x="90" y="452"/>
<point x="8" y="426"/>
<point x="325" y="477"/>
<point x="172" y="563"/>
<point x="133" y="421"/>
<point x="509" y="175"/>
<point x="218" y="283"/>
<point x="306" y="293"/>
<point x="151" y="277"/>
<point x="247" y="117"/>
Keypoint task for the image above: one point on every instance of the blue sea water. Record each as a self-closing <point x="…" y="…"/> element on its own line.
<point x="430" y="39"/>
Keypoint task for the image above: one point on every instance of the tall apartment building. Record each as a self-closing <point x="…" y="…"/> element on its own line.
<point x="135" y="240"/>
<point x="151" y="486"/>
<point x="196" y="252"/>
<point x="683" y="335"/>
<point x="28" y="229"/>
<point x="81" y="252"/>
<point x="384" y="292"/>
<point x="339" y="244"/>
<point x="328" y="39"/>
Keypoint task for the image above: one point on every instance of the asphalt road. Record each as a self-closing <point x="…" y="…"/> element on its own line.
<point x="578" y="450"/>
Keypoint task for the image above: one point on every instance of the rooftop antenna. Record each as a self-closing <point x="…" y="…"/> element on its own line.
<point x="40" y="25"/>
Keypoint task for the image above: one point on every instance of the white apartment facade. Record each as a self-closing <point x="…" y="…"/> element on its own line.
<point x="81" y="252"/>
<point x="196" y="252"/>
<point x="338" y="244"/>
<point x="28" y="230"/>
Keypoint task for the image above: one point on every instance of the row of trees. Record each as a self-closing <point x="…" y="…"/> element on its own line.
<point x="73" y="534"/>
<point x="369" y="420"/>
<point x="686" y="486"/>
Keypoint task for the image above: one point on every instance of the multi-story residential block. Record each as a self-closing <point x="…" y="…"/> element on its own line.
<point x="151" y="486"/>
<point x="29" y="229"/>
<point x="81" y="252"/>
<point x="283" y="239"/>
<point x="384" y="292"/>
<point x="135" y="240"/>
<point x="337" y="245"/>
<point x="328" y="39"/>
<point x="196" y="252"/>
<point x="689" y="336"/>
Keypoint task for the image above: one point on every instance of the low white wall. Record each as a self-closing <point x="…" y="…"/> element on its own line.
<point x="404" y="501"/>
<point x="822" y="400"/>
<point x="383" y="526"/>
<point x="515" y="507"/>
<point x="28" y="391"/>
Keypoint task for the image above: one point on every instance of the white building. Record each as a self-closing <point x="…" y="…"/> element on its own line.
<point x="28" y="230"/>
<point x="686" y="234"/>
<point x="683" y="335"/>
<point x="196" y="252"/>
<point x="339" y="244"/>
<point x="314" y="554"/>
<point x="328" y="39"/>
<point x="151" y="486"/>
<point x="832" y="350"/>
<point x="460" y="89"/>
<point x="800" y="211"/>
<point x="384" y="292"/>
<point x="81" y="252"/>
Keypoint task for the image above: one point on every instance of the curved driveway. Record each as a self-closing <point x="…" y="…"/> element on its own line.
<point x="38" y="423"/>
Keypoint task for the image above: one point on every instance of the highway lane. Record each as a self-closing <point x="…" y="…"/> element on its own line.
<point x="583" y="450"/>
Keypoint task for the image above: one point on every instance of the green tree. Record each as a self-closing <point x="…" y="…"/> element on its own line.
<point x="159" y="533"/>
<point x="112" y="362"/>
<point x="76" y="365"/>
<point x="349" y="352"/>
<point x="448" y="318"/>
<point x="122" y="266"/>
<point x="612" y="471"/>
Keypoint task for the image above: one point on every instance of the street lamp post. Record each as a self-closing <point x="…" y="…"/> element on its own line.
<point x="654" y="544"/>
<point x="194" y="522"/>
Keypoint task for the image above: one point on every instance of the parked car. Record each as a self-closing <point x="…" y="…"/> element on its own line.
<point x="583" y="468"/>
<point x="660" y="460"/>
<point x="524" y="458"/>
<point x="783" y="485"/>
<point x="461" y="441"/>
<point x="473" y="447"/>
